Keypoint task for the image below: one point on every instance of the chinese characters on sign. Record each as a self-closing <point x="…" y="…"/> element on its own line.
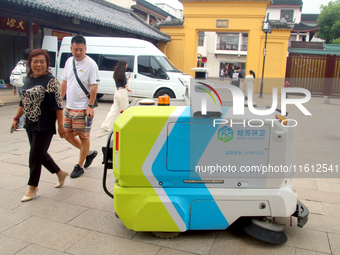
<point x="222" y="23"/>
<point x="17" y="25"/>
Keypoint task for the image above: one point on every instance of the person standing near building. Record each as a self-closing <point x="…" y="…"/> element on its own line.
<point x="78" y="105"/>
<point x="121" y="99"/>
<point x="221" y="74"/>
<point x="18" y="78"/>
<point x="42" y="106"/>
<point x="249" y="83"/>
<point x="237" y="77"/>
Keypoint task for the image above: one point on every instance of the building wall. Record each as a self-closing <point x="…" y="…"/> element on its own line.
<point x="175" y="12"/>
<point x="246" y="17"/>
<point x="275" y="13"/>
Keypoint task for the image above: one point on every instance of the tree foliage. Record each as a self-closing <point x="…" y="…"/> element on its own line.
<point x="330" y="21"/>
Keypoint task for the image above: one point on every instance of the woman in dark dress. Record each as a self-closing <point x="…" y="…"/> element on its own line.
<point x="41" y="103"/>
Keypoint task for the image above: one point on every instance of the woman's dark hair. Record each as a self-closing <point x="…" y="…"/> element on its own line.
<point x="120" y="70"/>
<point x="26" y="53"/>
<point x="252" y="73"/>
<point x="33" y="54"/>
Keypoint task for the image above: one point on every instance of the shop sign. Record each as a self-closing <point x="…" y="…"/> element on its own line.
<point x="60" y="35"/>
<point x="17" y="25"/>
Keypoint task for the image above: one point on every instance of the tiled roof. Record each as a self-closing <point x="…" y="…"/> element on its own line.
<point x="98" y="12"/>
<point x="300" y="27"/>
<point x="171" y="23"/>
<point x="309" y="17"/>
<point x="331" y="49"/>
<point x="314" y="51"/>
<point x="277" y="24"/>
<point x="287" y="2"/>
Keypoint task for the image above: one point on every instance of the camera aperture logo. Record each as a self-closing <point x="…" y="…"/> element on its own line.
<point x="225" y="134"/>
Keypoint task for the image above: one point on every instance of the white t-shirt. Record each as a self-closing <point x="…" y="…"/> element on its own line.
<point x="87" y="71"/>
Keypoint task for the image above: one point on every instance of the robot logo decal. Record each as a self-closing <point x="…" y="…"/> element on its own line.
<point x="225" y="134"/>
<point x="205" y="101"/>
<point x="203" y="87"/>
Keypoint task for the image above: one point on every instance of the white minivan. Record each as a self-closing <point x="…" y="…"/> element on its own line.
<point x="152" y="73"/>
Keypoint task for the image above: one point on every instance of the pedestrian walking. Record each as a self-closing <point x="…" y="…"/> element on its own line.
<point x="120" y="99"/>
<point x="41" y="104"/>
<point x="249" y="83"/>
<point x="18" y="78"/>
<point x="80" y="71"/>
<point x="237" y="77"/>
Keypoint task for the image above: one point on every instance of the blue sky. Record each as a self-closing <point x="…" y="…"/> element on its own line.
<point x="309" y="6"/>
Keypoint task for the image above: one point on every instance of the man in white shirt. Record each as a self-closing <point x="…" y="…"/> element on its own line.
<point x="78" y="104"/>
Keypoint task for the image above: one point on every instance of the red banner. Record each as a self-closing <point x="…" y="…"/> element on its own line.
<point x="17" y="25"/>
<point x="60" y="35"/>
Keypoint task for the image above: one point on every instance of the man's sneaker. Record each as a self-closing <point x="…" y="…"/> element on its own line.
<point x="90" y="158"/>
<point x="77" y="171"/>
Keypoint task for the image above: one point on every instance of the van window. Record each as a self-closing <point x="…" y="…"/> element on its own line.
<point x="95" y="57"/>
<point x="108" y="62"/>
<point x="65" y="56"/>
<point x="150" y="67"/>
<point x="52" y="58"/>
<point x="167" y="64"/>
<point x="63" y="59"/>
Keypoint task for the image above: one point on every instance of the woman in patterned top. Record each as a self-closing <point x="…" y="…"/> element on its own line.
<point x="41" y="103"/>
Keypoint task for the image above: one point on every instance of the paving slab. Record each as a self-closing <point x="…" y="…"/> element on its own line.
<point x="39" y="250"/>
<point x="46" y="233"/>
<point x="317" y="195"/>
<point x="12" y="218"/>
<point x="167" y="251"/>
<point x="47" y="190"/>
<point x="191" y="241"/>
<point x="331" y="209"/>
<point x="103" y="222"/>
<point x="308" y="252"/>
<point x="304" y="183"/>
<point x="99" y="201"/>
<point x="51" y="210"/>
<point x="10" y="199"/>
<point x="11" y="245"/>
<point x="314" y="207"/>
<point x="307" y="239"/>
<point x="323" y="223"/>
<point x="334" y="241"/>
<point x="99" y="243"/>
<point x="12" y="182"/>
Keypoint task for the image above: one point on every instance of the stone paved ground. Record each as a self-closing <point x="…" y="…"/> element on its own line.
<point x="79" y="217"/>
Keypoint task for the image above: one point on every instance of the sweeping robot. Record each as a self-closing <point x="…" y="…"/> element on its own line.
<point x="182" y="166"/>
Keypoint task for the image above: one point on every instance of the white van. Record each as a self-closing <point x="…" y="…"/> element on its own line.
<point x="152" y="73"/>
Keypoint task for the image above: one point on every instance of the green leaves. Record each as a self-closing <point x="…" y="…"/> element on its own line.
<point x="330" y="21"/>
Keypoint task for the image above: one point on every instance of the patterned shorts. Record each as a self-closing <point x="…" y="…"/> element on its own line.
<point x="74" y="122"/>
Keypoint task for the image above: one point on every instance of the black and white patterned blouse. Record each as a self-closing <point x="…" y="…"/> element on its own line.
<point x="41" y="97"/>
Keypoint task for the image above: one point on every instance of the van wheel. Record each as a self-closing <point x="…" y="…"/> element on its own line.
<point x="100" y="96"/>
<point x="162" y="92"/>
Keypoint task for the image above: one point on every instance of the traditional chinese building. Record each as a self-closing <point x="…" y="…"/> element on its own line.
<point x="25" y="22"/>
<point x="237" y="38"/>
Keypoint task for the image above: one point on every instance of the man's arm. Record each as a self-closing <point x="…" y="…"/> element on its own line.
<point x="93" y="95"/>
<point x="63" y="88"/>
